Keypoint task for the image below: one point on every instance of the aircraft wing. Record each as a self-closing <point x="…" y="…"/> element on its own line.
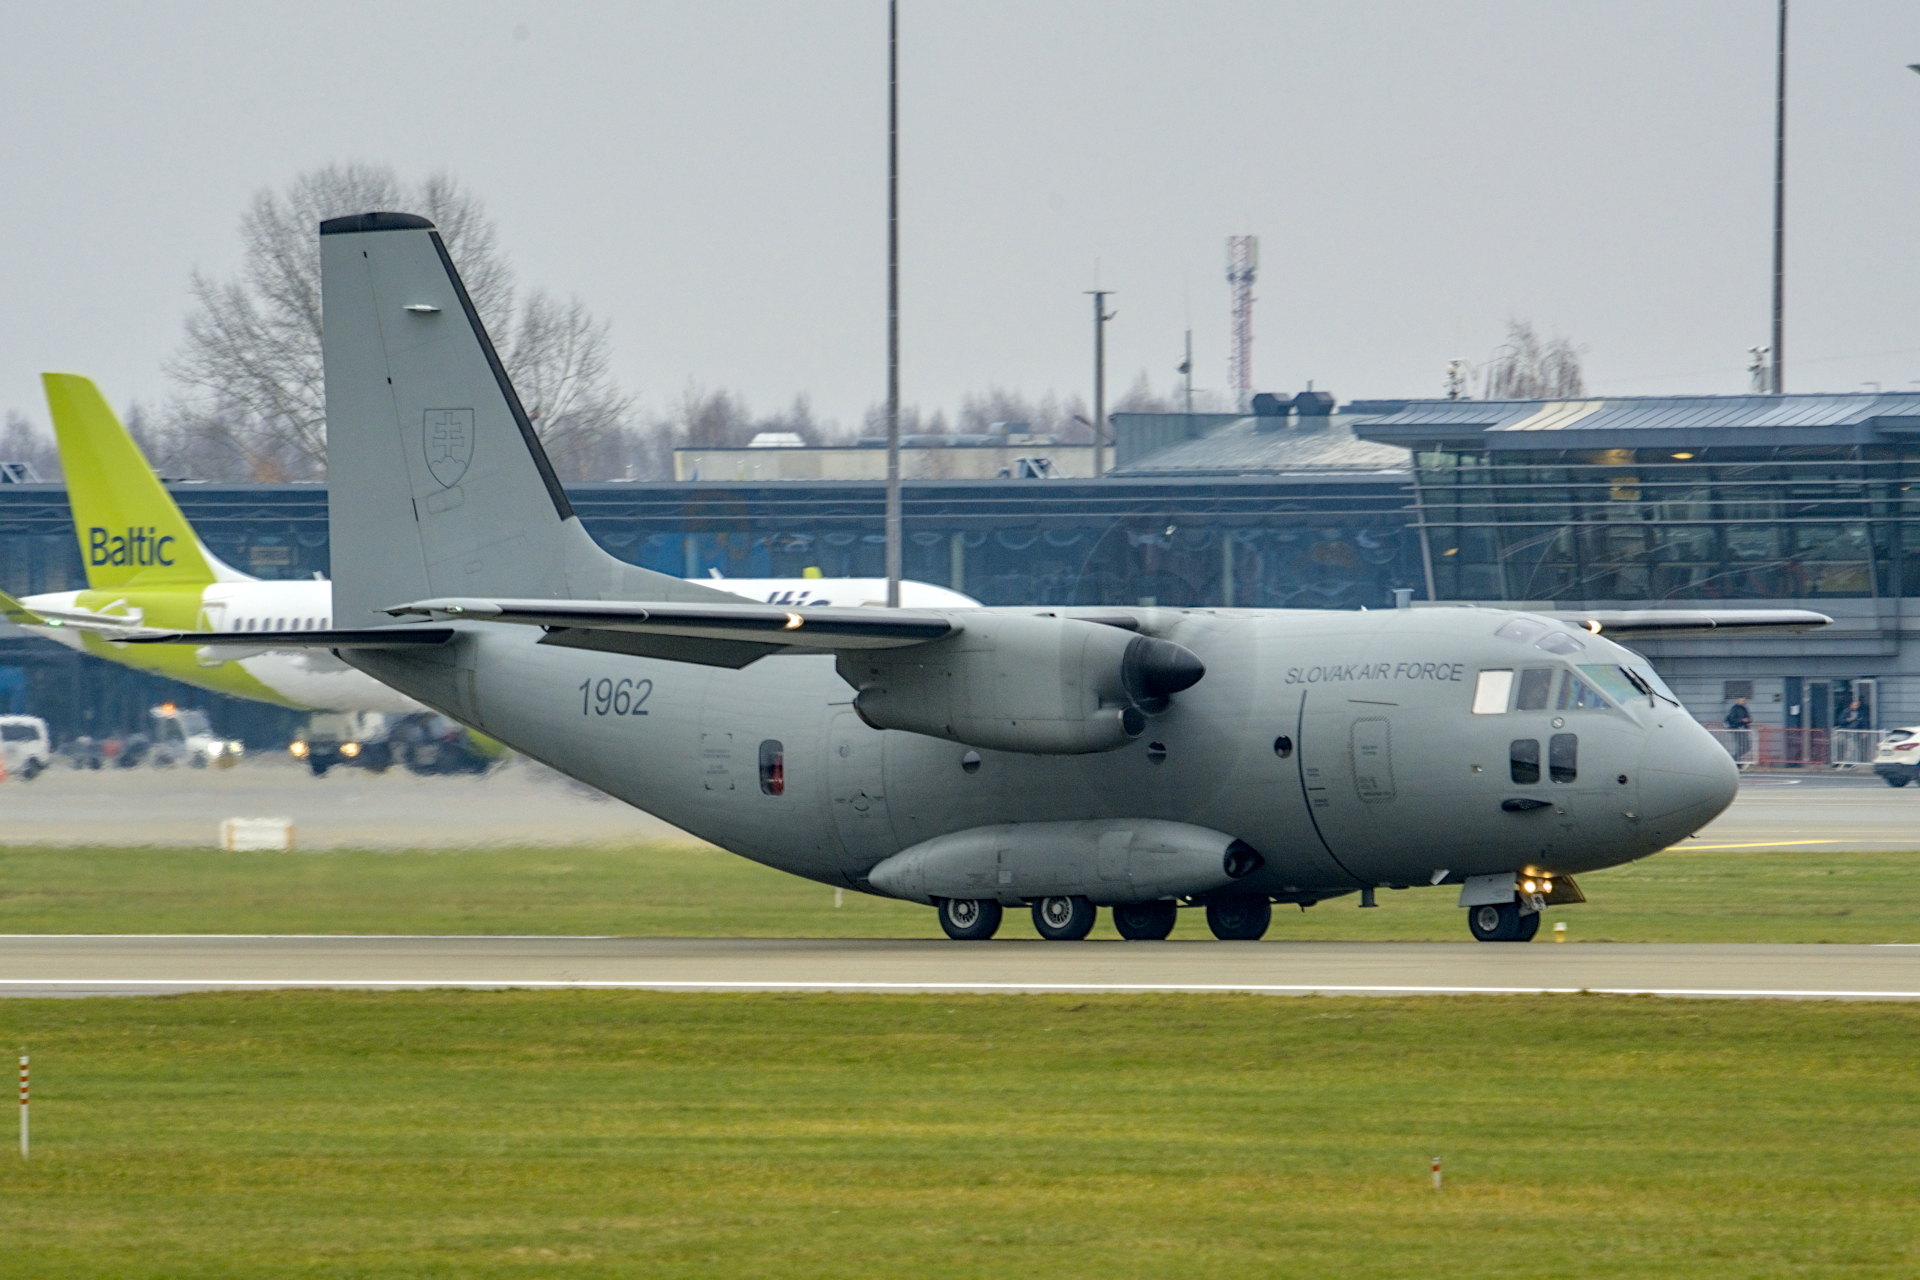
<point x="258" y="642"/>
<point x="1683" y="622"/>
<point x="717" y="635"/>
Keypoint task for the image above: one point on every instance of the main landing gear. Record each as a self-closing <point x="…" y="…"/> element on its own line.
<point x="1502" y="922"/>
<point x="1064" y="919"/>
<point x="970" y="919"/>
<point x="1241" y="918"/>
<point x="1145" y="921"/>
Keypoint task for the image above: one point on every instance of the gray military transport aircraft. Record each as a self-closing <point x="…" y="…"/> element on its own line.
<point x="974" y="759"/>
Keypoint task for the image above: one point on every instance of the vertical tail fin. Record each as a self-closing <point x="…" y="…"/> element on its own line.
<point x="131" y="532"/>
<point x="437" y="484"/>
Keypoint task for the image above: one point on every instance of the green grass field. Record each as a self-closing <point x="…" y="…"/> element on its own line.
<point x="680" y="890"/>
<point x="627" y="1134"/>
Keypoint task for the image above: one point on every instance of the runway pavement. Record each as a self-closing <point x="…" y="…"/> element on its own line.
<point x="146" y="965"/>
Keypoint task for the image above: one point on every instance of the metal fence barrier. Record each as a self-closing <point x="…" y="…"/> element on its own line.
<point x="1770" y="747"/>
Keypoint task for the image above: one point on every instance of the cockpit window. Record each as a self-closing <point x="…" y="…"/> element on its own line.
<point x="1490" y="694"/>
<point x="1577" y="695"/>
<point x="1536" y="687"/>
<point x="1559" y="642"/>
<point x="1521" y="629"/>
<point x="1615" y="682"/>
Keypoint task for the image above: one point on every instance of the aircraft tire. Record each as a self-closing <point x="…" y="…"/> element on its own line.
<point x="1529" y="925"/>
<point x="1498" y="923"/>
<point x="1893" y="781"/>
<point x="1064" y="919"/>
<point x="317" y="768"/>
<point x="970" y="919"/>
<point x="1145" y="921"/>
<point x="1240" y="918"/>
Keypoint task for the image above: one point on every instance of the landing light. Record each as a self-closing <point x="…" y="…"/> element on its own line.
<point x="1530" y="887"/>
<point x="349" y="749"/>
<point x="1683" y="456"/>
<point x="298" y="750"/>
<point x="794" y="622"/>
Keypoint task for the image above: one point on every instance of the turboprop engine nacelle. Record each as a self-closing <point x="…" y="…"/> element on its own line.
<point x="1020" y="682"/>
<point x="1107" y="860"/>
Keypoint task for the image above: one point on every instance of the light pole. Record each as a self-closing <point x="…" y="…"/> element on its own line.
<point x="1780" y="207"/>
<point x="895" y="567"/>
<point x="1100" y="317"/>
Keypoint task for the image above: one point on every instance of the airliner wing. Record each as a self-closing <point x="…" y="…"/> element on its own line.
<point x="1682" y="622"/>
<point x="718" y="635"/>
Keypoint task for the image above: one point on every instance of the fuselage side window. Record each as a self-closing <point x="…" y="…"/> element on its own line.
<point x="1536" y="687"/>
<point x="1563" y="757"/>
<point x="1490" y="695"/>
<point x="1523" y="760"/>
<point x="773" y="768"/>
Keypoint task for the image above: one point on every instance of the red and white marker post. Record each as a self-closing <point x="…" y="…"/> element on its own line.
<point x="1436" y="1173"/>
<point x="23" y="1106"/>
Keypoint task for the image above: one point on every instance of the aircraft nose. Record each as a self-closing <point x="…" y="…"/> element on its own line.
<point x="1686" y="777"/>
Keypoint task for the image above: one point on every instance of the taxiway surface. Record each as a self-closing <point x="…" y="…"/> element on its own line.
<point x="146" y="965"/>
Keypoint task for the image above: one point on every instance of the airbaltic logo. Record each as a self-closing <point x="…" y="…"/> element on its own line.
<point x="135" y="547"/>
<point x="448" y="437"/>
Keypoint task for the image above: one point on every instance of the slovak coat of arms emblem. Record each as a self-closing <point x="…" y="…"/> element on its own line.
<point x="448" y="437"/>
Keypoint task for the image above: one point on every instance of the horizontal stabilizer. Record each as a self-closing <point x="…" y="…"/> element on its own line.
<point x="1620" y="623"/>
<point x="720" y="635"/>
<point x="280" y="641"/>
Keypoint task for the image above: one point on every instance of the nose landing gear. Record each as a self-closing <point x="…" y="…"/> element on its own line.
<point x="1502" y="922"/>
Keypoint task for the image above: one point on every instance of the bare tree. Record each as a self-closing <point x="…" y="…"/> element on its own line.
<point x="1531" y="368"/>
<point x="22" y="440"/>
<point x="251" y="364"/>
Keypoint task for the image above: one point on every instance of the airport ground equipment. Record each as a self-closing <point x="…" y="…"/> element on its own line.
<point x="1065" y="758"/>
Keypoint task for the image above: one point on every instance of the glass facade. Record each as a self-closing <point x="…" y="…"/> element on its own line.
<point x="1633" y="525"/>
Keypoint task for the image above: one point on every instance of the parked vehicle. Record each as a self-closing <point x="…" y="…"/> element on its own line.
<point x="25" y="749"/>
<point x="1898" y="759"/>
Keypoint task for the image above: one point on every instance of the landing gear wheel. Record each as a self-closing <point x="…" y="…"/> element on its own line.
<point x="1242" y="918"/>
<point x="970" y="919"/>
<point x="318" y="768"/>
<point x="1529" y="925"/>
<point x="1064" y="919"/>
<point x="1893" y="781"/>
<point x="1145" y="921"/>
<point x="1501" y="923"/>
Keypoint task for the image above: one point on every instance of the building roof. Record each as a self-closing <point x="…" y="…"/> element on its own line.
<point x="1269" y="445"/>
<point x="1631" y="422"/>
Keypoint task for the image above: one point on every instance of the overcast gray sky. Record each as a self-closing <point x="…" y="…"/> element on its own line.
<point x="711" y="178"/>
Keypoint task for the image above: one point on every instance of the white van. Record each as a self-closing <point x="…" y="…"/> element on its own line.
<point x="24" y="748"/>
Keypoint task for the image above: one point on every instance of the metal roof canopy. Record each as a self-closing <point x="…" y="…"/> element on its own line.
<point x="1746" y="421"/>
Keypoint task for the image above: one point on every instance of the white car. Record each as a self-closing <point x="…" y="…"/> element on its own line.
<point x="24" y="747"/>
<point x="1898" y="759"/>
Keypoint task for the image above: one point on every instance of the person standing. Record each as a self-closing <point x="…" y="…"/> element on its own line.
<point x="1740" y="726"/>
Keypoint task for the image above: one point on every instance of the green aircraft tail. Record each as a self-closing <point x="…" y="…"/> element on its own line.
<point x="130" y="530"/>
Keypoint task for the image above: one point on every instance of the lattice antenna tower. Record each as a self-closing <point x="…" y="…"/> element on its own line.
<point x="1243" y="263"/>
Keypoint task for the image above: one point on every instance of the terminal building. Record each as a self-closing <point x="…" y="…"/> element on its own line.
<point x="1304" y="503"/>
